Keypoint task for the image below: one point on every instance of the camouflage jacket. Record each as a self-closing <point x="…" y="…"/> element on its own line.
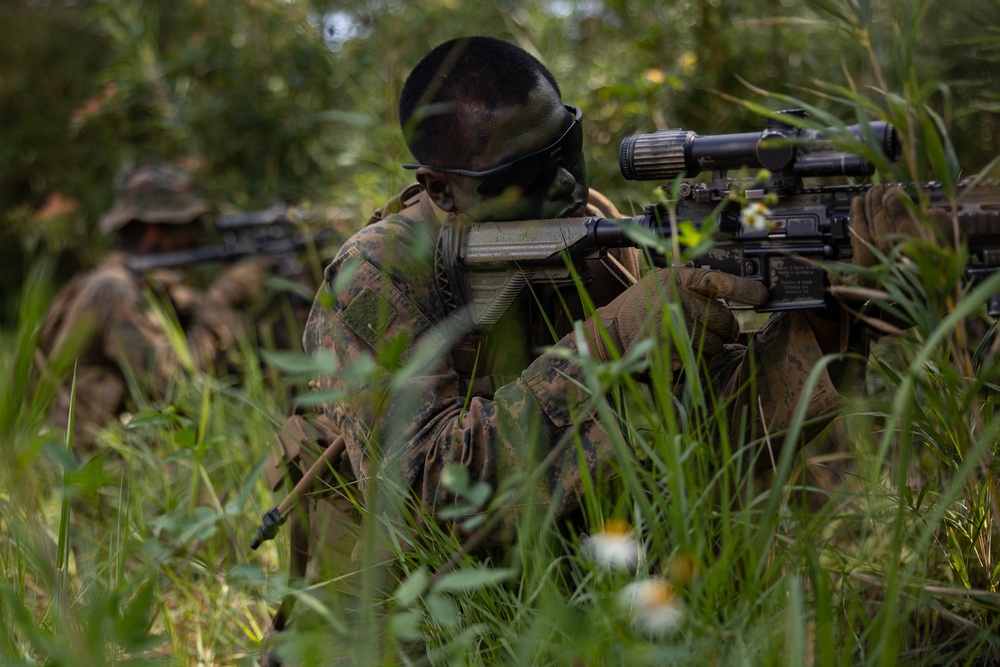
<point x="501" y="403"/>
<point x="102" y="321"/>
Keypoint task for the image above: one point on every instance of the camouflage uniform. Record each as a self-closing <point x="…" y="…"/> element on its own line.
<point x="103" y="319"/>
<point x="493" y="403"/>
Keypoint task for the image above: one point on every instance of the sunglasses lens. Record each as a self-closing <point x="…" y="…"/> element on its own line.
<point x="524" y="175"/>
<point x="535" y="172"/>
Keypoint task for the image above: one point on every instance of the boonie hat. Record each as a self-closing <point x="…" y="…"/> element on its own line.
<point x="154" y="193"/>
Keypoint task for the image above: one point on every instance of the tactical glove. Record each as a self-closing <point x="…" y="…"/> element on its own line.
<point x="636" y="313"/>
<point x="883" y="218"/>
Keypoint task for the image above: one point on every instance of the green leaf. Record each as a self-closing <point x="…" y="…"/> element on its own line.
<point x="393" y="351"/>
<point x="359" y="370"/>
<point x="479" y="494"/>
<point x="234" y="506"/>
<point x="410" y="590"/>
<point x="935" y="151"/>
<point x="283" y="284"/>
<point x="405" y="625"/>
<point x="443" y="610"/>
<point x="246" y="574"/>
<point x="949" y="178"/>
<point x="186" y="438"/>
<point x="343" y="277"/>
<point x="474" y="522"/>
<point x="455" y="478"/>
<point x="133" y="624"/>
<point x="299" y="364"/>
<point x="472" y="578"/>
<point x="202" y="527"/>
<point x="429" y="349"/>
<point x="154" y="418"/>
<point x="321" y="397"/>
<point x="907" y="494"/>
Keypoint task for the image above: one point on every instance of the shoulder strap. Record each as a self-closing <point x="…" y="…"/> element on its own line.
<point x="406" y="198"/>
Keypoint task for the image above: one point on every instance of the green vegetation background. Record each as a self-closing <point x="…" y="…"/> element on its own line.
<point x="295" y="101"/>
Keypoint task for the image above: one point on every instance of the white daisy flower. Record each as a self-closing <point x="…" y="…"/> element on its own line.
<point x="614" y="547"/>
<point x="655" y="609"/>
<point x="755" y="216"/>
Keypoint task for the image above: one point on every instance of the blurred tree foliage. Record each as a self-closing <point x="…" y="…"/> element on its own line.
<point x="295" y="99"/>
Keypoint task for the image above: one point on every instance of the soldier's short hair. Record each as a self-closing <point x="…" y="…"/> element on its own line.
<point x="152" y="193"/>
<point x="460" y="74"/>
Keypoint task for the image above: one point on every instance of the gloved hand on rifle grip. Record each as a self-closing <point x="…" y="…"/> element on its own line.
<point x="883" y="218"/>
<point x="636" y="313"/>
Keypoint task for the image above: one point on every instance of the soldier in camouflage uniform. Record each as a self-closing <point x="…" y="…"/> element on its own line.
<point x="495" y="142"/>
<point x="102" y="320"/>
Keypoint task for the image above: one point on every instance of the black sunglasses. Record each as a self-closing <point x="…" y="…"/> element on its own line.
<point x="531" y="172"/>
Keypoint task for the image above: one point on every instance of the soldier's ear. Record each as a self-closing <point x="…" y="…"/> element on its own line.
<point x="438" y="188"/>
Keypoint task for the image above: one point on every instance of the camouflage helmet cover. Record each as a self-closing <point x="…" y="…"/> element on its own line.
<point x="154" y="193"/>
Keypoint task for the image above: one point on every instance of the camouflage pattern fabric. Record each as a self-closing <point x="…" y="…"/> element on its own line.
<point x="102" y="320"/>
<point x="154" y="193"/>
<point x="491" y="402"/>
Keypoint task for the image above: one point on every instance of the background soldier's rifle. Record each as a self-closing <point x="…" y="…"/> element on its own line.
<point x="278" y="232"/>
<point x="489" y="264"/>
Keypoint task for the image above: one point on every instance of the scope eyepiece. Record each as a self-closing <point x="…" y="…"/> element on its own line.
<point x="657" y="156"/>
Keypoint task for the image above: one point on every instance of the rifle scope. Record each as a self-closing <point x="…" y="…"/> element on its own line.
<point x="665" y="154"/>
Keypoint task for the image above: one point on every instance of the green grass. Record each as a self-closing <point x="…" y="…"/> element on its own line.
<point x="874" y="546"/>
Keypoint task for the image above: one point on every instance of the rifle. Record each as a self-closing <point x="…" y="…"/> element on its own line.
<point x="273" y="232"/>
<point x="489" y="264"/>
